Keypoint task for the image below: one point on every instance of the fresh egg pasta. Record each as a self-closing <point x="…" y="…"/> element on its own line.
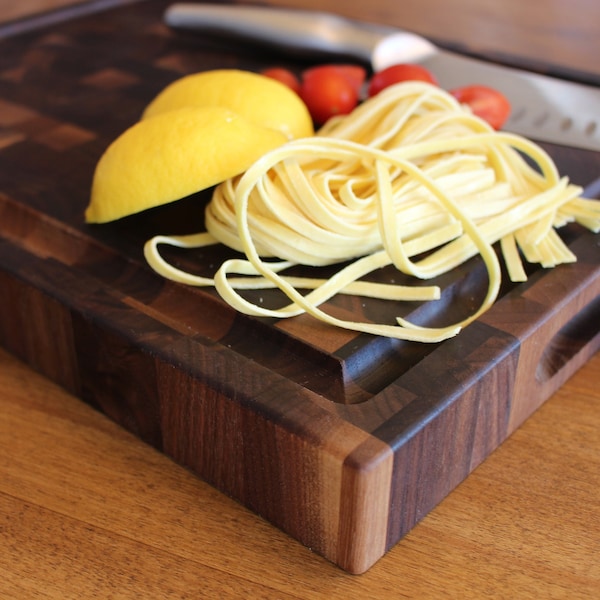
<point x="411" y="179"/>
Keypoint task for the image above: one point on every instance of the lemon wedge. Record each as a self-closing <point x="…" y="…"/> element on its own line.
<point x="259" y="98"/>
<point x="173" y="154"/>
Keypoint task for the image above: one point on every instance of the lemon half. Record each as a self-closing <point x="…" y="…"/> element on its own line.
<point x="166" y="157"/>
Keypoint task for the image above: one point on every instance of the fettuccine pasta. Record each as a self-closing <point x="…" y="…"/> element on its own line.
<point x="409" y="173"/>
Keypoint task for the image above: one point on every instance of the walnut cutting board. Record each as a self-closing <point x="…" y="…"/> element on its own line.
<point x="344" y="441"/>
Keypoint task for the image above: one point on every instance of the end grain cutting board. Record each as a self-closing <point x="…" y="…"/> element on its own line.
<point x="344" y="441"/>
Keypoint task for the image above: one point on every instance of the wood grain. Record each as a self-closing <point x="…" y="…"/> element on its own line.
<point x="553" y="35"/>
<point x="89" y="511"/>
<point x="334" y="443"/>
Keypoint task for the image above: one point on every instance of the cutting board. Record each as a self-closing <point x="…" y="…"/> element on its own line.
<point x="344" y="441"/>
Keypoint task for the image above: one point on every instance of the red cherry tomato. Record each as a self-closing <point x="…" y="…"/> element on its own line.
<point x="396" y="74"/>
<point x="326" y="93"/>
<point x="284" y="76"/>
<point x="485" y="102"/>
<point x="355" y="74"/>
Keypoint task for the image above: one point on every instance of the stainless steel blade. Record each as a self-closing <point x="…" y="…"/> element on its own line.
<point x="545" y="109"/>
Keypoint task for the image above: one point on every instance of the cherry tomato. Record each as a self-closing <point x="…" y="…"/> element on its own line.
<point x="284" y="76"/>
<point x="326" y="93"/>
<point x="397" y="73"/>
<point x="485" y="102"/>
<point x="355" y="74"/>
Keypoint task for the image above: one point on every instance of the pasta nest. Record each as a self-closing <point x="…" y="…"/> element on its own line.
<point x="410" y="178"/>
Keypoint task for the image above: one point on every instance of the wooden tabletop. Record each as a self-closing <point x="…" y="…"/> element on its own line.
<point x="89" y="511"/>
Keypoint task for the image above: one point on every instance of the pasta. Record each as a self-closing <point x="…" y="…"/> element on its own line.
<point x="409" y="173"/>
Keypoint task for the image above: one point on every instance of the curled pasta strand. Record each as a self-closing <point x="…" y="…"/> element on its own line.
<point x="352" y="287"/>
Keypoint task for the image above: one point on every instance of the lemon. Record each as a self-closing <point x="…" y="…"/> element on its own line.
<point x="172" y="155"/>
<point x="261" y="99"/>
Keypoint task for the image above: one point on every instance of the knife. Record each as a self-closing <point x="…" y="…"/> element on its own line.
<point x="546" y="109"/>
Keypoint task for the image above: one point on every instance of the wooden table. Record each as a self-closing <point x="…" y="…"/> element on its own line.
<point x="89" y="511"/>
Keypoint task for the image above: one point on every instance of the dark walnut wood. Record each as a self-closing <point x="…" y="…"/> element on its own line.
<point x="344" y="441"/>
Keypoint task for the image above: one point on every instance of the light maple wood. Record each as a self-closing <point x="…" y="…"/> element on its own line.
<point x="89" y="511"/>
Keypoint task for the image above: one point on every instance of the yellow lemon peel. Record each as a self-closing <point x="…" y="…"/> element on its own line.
<point x="259" y="98"/>
<point x="172" y="155"/>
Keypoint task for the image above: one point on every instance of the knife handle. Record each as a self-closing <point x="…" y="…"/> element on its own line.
<point x="296" y="31"/>
<point x="301" y="32"/>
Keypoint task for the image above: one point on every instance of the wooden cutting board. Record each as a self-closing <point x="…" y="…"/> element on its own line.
<point x="344" y="441"/>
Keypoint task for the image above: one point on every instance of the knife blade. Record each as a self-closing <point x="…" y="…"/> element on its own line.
<point x="546" y="109"/>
